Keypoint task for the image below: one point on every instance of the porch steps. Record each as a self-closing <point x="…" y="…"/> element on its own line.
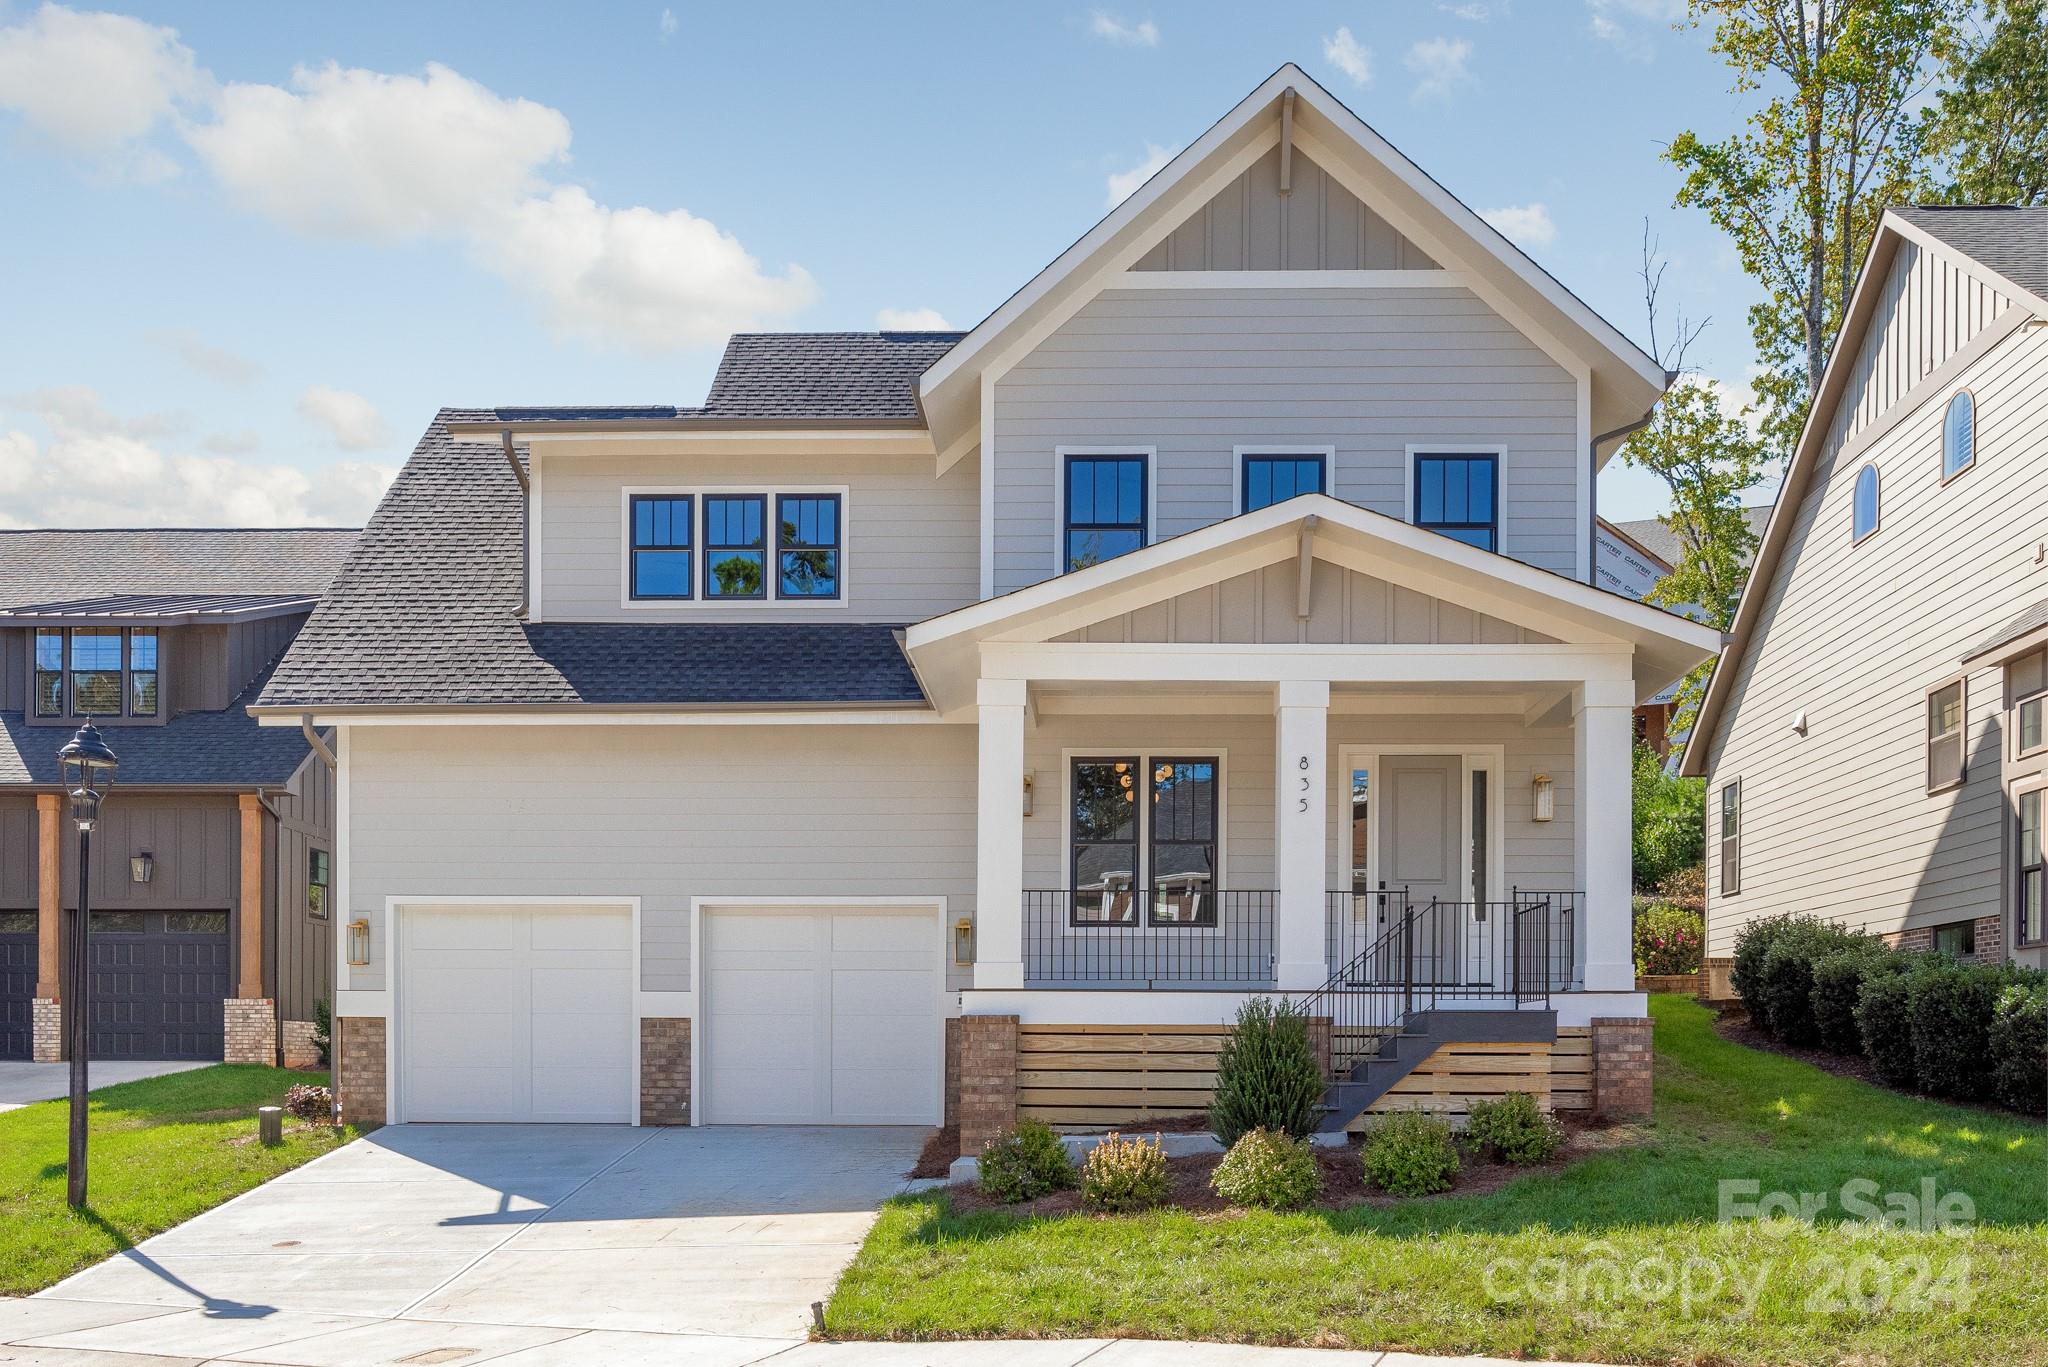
<point x="1421" y="1035"/>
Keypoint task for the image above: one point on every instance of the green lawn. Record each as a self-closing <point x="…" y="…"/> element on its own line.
<point x="1619" y="1258"/>
<point x="163" y="1150"/>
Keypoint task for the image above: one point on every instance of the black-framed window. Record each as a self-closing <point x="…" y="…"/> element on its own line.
<point x="319" y="879"/>
<point x="49" y="671"/>
<point x="1102" y="856"/>
<point x="1458" y="495"/>
<point x="1181" y="841"/>
<point x="142" y="672"/>
<point x="809" y="537"/>
<point x="735" y="546"/>
<point x="96" y="671"/>
<point x="2030" y="874"/>
<point x="662" y="542"/>
<point x="1270" y="478"/>
<point x="1958" y="938"/>
<point x="1731" y="838"/>
<point x="1945" y="727"/>
<point x="1105" y="513"/>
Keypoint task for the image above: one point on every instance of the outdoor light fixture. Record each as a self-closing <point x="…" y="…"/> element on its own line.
<point x="963" y="941"/>
<point x="1545" y="797"/>
<point x="358" y="943"/>
<point x="87" y="766"/>
<point x="1027" y="803"/>
<point x="141" y="867"/>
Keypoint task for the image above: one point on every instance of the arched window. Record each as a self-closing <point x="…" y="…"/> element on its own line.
<point x="1864" y="519"/>
<point x="1959" y="435"/>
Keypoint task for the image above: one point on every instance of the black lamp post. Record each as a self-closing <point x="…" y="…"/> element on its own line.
<point x="87" y="767"/>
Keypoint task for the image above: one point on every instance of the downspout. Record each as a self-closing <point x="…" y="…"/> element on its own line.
<point x="314" y="739"/>
<point x="525" y="524"/>
<point x="1593" y="489"/>
<point x="271" y="933"/>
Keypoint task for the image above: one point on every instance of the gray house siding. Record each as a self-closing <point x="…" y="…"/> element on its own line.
<point x="1196" y="373"/>
<point x="305" y="942"/>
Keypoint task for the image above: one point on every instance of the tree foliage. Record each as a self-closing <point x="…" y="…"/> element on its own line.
<point x="1986" y="139"/>
<point x="1669" y="821"/>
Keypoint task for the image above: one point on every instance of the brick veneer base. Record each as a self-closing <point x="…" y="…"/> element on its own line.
<point x="359" y="1069"/>
<point x="1990" y="937"/>
<point x="251" y="1030"/>
<point x="46" y="1031"/>
<point x="988" y="1080"/>
<point x="1715" y="981"/>
<point x="664" y="1070"/>
<point x="299" y="1049"/>
<point x="1622" y="1067"/>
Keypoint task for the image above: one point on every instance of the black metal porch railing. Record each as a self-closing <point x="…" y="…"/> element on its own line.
<point x="1189" y="937"/>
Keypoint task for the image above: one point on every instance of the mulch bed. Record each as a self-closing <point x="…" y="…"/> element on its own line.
<point x="940" y="1149"/>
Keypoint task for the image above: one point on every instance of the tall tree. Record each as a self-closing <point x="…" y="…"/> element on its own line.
<point x="1987" y="136"/>
<point x="1800" y="187"/>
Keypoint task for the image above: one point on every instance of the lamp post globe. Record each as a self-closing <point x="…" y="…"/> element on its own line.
<point x="86" y="766"/>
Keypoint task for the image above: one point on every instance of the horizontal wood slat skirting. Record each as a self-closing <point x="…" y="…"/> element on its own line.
<point x="1458" y="1074"/>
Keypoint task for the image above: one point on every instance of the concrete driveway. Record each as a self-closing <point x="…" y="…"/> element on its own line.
<point x="24" y="1083"/>
<point x="510" y="1243"/>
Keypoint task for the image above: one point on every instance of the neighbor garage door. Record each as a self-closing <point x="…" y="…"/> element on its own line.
<point x="17" y="982"/>
<point x="515" y="1013"/>
<point x="158" y="981"/>
<point x="821" y="1016"/>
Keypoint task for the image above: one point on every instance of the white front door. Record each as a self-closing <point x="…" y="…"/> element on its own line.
<point x="822" y="1016"/>
<point x="516" y="1013"/>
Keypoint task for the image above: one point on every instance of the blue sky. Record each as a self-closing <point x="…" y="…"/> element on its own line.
<point x="251" y="247"/>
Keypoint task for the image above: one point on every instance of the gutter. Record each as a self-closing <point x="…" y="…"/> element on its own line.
<point x="525" y="527"/>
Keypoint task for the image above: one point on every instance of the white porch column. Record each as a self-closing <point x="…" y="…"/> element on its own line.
<point x="1301" y="733"/>
<point x="999" y="837"/>
<point x="1600" y="832"/>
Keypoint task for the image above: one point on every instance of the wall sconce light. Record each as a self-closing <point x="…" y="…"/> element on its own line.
<point x="1545" y="797"/>
<point x="141" y="867"/>
<point x="358" y="943"/>
<point x="1027" y="800"/>
<point x="963" y="941"/>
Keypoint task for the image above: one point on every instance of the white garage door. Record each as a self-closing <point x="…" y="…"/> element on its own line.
<point x="822" y="1017"/>
<point x="516" y="1013"/>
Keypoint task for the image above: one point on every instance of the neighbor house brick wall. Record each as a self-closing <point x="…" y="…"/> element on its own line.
<point x="988" y="1079"/>
<point x="952" y="1067"/>
<point x="1622" y="1067"/>
<point x="1716" y="980"/>
<point x="46" y="1031"/>
<point x="664" y="1070"/>
<point x="300" y="1051"/>
<point x="359" y="1070"/>
<point x="251" y="1030"/>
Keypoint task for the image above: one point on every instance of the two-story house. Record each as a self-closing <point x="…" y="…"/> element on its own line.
<point x="1872" y="738"/>
<point x="963" y="724"/>
<point x="212" y="860"/>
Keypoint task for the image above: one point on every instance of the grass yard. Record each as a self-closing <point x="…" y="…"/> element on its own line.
<point x="1619" y="1258"/>
<point x="162" y="1150"/>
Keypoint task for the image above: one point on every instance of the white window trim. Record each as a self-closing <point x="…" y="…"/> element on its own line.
<point x="1452" y="447"/>
<point x="2019" y="700"/>
<point x="2009" y="862"/>
<point x="1721" y="835"/>
<point x="1059" y="494"/>
<point x="697" y="602"/>
<point x="1141" y="876"/>
<point x="1328" y="453"/>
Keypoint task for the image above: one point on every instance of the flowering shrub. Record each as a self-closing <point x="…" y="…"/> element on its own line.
<point x="1124" y="1174"/>
<point x="310" y="1101"/>
<point x="1267" y="1168"/>
<point x="1669" y="939"/>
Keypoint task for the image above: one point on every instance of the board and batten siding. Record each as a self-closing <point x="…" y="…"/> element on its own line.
<point x="1195" y="373"/>
<point x="1838" y="822"/>
<point x="701" y="811"/>
<point x="1928" y="310"/>
<point x="19" y="830"/>
<point x="913" y="540"/>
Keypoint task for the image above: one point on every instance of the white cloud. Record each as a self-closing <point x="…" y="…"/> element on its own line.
<point x="1123" y="183"/>
<point x="1349" y="56"/>
<point x="351" y="421"/>
<point x="1630" y="26"/>
<point x="1525" y="225"/>
<point x="1474" y="11"/>
<point x="912" y="320"/>
<point x="201" y="356"/>
<point x="96" y="84"/>
<point x="1439" y="66"/>
<point x="94" y="471"/>
<point x="668" y="24"/>
<point x="1111" y="29"/>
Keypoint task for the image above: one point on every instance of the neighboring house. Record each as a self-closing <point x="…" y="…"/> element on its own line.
<point x="211" y="932"/>
<point x="952" y="725"/>
<point x="1873" y="738"/>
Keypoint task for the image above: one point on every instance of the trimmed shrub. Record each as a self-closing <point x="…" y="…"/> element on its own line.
<point x="310" y="1101"/>
<point x="1746" y="974"/>
<point x="1785" y="982"/>
<point x="1266" y="1074"/>
<point x="1837" y="985"/>
<point x="1410" y="1154"/>
<point x="1025" y="1163"/>
<point x="1884" y="1018"/>
<point x="1952" y="1009"/>
<point x="1514" y="1129"/>
<point x="1669" y="939"/>
<point x="2019" y="1048"/>
<point x="1124" y="1174"/>
<point x="1267" y="1168"/>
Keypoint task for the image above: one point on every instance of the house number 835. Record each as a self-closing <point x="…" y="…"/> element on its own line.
<point x="1302" y="764"/>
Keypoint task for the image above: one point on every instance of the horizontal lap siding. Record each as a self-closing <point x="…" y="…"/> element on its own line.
<point x="1838" y="822"/>
<point x="1198" y="372"/>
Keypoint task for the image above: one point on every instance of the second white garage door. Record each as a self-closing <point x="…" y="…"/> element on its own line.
<point x="821" y="1016"/>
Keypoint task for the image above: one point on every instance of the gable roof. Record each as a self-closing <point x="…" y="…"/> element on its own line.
<point x="1938" y="229"/>
<point x="1659" y="540"/>
<point x="49" y="566"/>
<point x="2008" y="239"/>
<point x="1625" y="381"/>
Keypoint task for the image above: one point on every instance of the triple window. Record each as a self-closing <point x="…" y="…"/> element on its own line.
<point x="1458" y="495"/>
<point x="725" y="547"/>
<point x="1145" y="823"/>
<point x="96" y="671"/>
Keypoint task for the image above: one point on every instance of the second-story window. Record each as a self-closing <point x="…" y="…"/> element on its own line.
<point x="141" y="673"/>
<point x="1456" y="494"/>
<point x="735" y="546"/>
<point x="1945" y="727"/>
<point x="661" y="547"/>
<point x="96" y="671"/>
<point x="49" y="671"/>
<point x="1274" y="478"/>
<point x="1105" y="513"/>
<point x="807" y="545"/>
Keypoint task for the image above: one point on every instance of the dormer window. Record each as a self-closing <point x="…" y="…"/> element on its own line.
<point x="660" y="558"/>
<point x="722" y="546"/>
<point x="735" y="546"/>
<point x="96" y="671"/>
<point x="807" y="545"/>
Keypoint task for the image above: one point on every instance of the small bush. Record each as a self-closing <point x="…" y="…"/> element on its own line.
<point x="1785" y="981"/>
<point x="310" y="1101"/>
<point x="1669" y="939"/>
<point x="1746" y="973"/>
<point x="1025" y="1163"/>
<point x="1410" y="1154"/>
<point x="2019" y="1048"/>
<point x="1837" y="986"/>
<point x="1267" y="1168"/>
<point x="1266" y="1074"/>
<point x="1952" y="1008"/>
<point x="1124" y="1174"/>
<point x="1884" y="1018"/>
<point x="1514" y="1129"/>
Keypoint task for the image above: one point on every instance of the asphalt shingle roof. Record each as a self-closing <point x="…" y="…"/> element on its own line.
<point x="197" y="748"/>
<point x="2010" y="239"/>
<point x="64" y="566"/>
<point x="423" y="615"/>
<point x="1658" y="539"/>
<point x="2028" y="622"/>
